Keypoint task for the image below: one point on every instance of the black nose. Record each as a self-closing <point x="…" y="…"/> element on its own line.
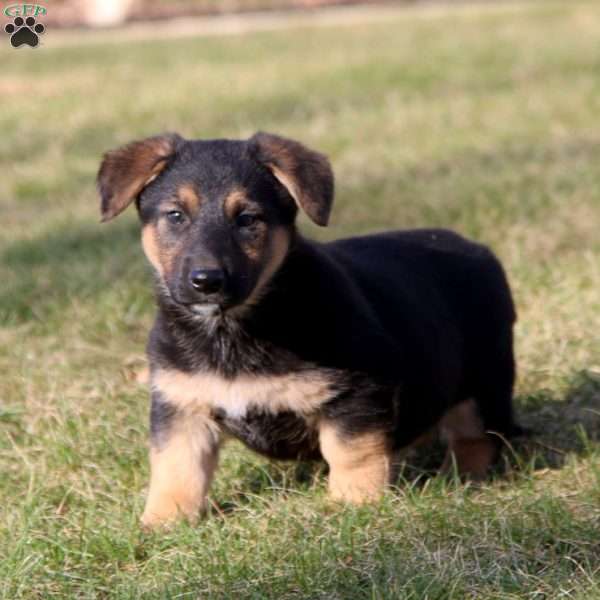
<point x="207" y="281"/>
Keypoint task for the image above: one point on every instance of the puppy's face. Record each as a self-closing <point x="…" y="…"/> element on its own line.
<point x="217" y="216"/>
<point x="213" y="223"/>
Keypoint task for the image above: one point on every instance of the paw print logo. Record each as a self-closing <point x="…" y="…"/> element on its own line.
<point x="24" y="31"/>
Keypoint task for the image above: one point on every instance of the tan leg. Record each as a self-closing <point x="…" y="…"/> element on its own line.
<point x="359" y="466"/>
<point x="182" y="468"/>
<point x="469" y="446"/>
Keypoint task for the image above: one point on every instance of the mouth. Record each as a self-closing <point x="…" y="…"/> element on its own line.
<point x="201" y="309"/>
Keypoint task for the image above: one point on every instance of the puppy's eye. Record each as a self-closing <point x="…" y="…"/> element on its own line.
<point x="175" y="217"/>
<point x="246" y="220"/>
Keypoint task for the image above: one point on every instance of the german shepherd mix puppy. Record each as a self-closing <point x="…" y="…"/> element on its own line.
<point x="350" y="350"/>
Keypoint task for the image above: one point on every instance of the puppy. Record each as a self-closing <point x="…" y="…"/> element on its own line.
<point x="348" y="351"/>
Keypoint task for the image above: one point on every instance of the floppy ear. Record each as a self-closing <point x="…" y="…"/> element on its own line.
<point x="126" y="171"/>
<point x="306" y="174"/>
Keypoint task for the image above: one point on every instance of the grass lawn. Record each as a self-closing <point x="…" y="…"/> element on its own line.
<point x="482" y="120"/>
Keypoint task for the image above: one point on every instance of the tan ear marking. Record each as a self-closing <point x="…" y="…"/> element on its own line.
<point x="125" y="172"/>
<point x="306" y="174"/>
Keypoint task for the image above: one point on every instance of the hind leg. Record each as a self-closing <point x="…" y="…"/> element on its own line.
<point x="474" y="429"/>
<point x="470" y="448"/>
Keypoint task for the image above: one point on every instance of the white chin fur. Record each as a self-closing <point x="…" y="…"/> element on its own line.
<point x="205" y="310"/>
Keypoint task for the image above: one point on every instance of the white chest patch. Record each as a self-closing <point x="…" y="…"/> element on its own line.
<point x="302" y="393"/>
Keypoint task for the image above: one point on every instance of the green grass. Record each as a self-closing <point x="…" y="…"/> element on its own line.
<point x="482" y="120"/>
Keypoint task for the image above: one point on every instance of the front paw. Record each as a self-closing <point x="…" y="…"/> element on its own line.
<point x="167" y="511"/>
<point x="351" y="492"/>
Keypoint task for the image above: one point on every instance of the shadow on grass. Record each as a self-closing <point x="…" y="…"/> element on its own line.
<point x="73" y="262"/>
<point x="561" y="425"/>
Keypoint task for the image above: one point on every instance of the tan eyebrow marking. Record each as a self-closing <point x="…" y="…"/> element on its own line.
<point x="190" y="198"/>
<point x="234" y="202"/>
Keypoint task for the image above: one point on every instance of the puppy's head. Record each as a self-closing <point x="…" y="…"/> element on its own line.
<point x="217" y="216"/>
